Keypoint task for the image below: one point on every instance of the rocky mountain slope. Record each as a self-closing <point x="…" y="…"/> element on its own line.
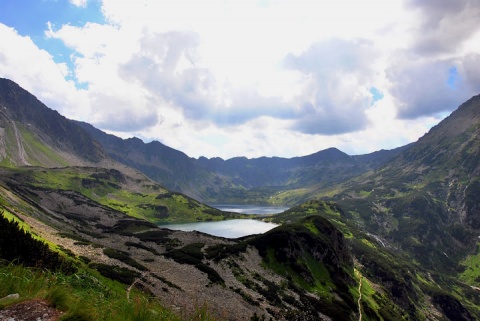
<point x="426" y="200"/>
<point x="314" y="269"/>
<point x="33" y="134"/>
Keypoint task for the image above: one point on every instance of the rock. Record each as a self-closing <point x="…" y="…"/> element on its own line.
<point x="13" y="296"/>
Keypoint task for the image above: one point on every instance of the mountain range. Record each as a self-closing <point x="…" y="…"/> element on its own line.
<point x="392" y="235"/>
<point x="239" y="179"/>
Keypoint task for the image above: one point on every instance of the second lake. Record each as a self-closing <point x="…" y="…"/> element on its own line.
<point x="232" y="228"/>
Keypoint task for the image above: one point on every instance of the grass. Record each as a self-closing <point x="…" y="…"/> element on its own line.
<point x="86" y="296"/>
<point x="111" y="188"/>
<point x="70" y="286"/>
<point x="471" y="274"/>
<point x="11" y="217"/>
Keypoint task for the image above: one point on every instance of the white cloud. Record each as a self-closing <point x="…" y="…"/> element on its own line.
<point x="79" y="3"/>
<point x="35" y="70"/>
<point x="229" y="78"/>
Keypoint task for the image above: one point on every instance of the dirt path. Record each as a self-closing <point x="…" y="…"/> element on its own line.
<point x="360" y="298"/>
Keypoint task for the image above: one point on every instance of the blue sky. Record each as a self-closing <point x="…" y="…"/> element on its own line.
<point x="248" y="78"/>
<point x="31" y="18"/>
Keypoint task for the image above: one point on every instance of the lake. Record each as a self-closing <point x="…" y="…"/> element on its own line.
<point x="232" y="228"/>
<point x="250" y="209"/>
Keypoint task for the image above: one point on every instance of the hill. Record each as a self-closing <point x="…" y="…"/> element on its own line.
<point x="425" y="201"/>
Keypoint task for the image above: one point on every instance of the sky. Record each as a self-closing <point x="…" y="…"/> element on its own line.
<point x="227" y="78"/>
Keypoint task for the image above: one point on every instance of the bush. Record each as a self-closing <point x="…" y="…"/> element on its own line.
<point x="192" y="255"/>
<point x="123" y="257"/>
<point x="123" y="275"/>
<point x="18" y="245"/>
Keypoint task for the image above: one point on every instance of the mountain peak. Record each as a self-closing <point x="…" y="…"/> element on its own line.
<point x="42" y="135"/>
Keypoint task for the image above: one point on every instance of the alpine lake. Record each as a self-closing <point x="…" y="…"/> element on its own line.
<point x="232" y="228"/>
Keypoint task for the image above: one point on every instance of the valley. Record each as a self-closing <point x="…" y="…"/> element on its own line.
<point x="392" y="235"/>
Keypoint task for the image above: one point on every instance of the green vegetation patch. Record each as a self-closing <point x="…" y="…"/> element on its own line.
<point x="117" y="273"/>
<point x="313" y="255"/>
<point x="18" y="245"/>
<point x="123" y="257"/>
<point x="141" y="246"/>
<point x="313" y="207"/>
<point x="192" y="255"/>
<point x="110" y="187"/>
<point x="132" y="226"/>
<point x="471" y="273"/>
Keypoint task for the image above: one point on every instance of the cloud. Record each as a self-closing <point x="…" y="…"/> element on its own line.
<point x="167" y="64"/>
<point x="122" y="113"/>
<point x="79" y="3"/>
<point x="438" y="71"/>
<point x="421" y="87"/>
<point x="444" y="25"/>
<point x="428" y="87"/>
<point x="282" y="79"/>
<point x="470" y="71"/>
<point x="35" y="70"/>
<point x="338" y="76"/>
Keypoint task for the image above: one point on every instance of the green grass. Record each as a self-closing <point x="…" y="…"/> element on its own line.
<point x="86" y="296"/>
<point x="9" y="137"/>
<point x="107" y="187"/>
<point x="471" y="274"/>
<point x="11" y="217"/>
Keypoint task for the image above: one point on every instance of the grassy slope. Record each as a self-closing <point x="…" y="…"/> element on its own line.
<point x="81" y="293"/>
<point x="36" y="151"/>
<point x="388" y="276"/>
<point x="139" y="198"/>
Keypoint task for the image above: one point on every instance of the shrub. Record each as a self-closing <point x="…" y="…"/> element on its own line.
<point x="123" y="257"/>
<point x="18" y="245"/>
<point x="123" y="275"/>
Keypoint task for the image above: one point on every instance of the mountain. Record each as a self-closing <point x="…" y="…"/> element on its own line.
<point x="33" y="134"/>
<point x="313" y="269"/>
<point x="391" y="235"/>
<point x="426" y="199"/>
<point x="239" y="179"/>
<point x="167" y="166"/>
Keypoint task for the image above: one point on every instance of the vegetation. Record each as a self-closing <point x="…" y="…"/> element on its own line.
<point x="112" y="188"/>
<point x="192" y="255"/>
<point x="123" y="257"/>
<point x="18" y="245"/>
<point x="28" y="267"/>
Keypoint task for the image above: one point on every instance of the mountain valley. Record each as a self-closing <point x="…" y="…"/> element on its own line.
<point x="392" y="235"/>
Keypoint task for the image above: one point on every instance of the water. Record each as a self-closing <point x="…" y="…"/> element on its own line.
<point x="230" y="228"/>
<point x="250" y="209"/>
<point x="233" y="228"/>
